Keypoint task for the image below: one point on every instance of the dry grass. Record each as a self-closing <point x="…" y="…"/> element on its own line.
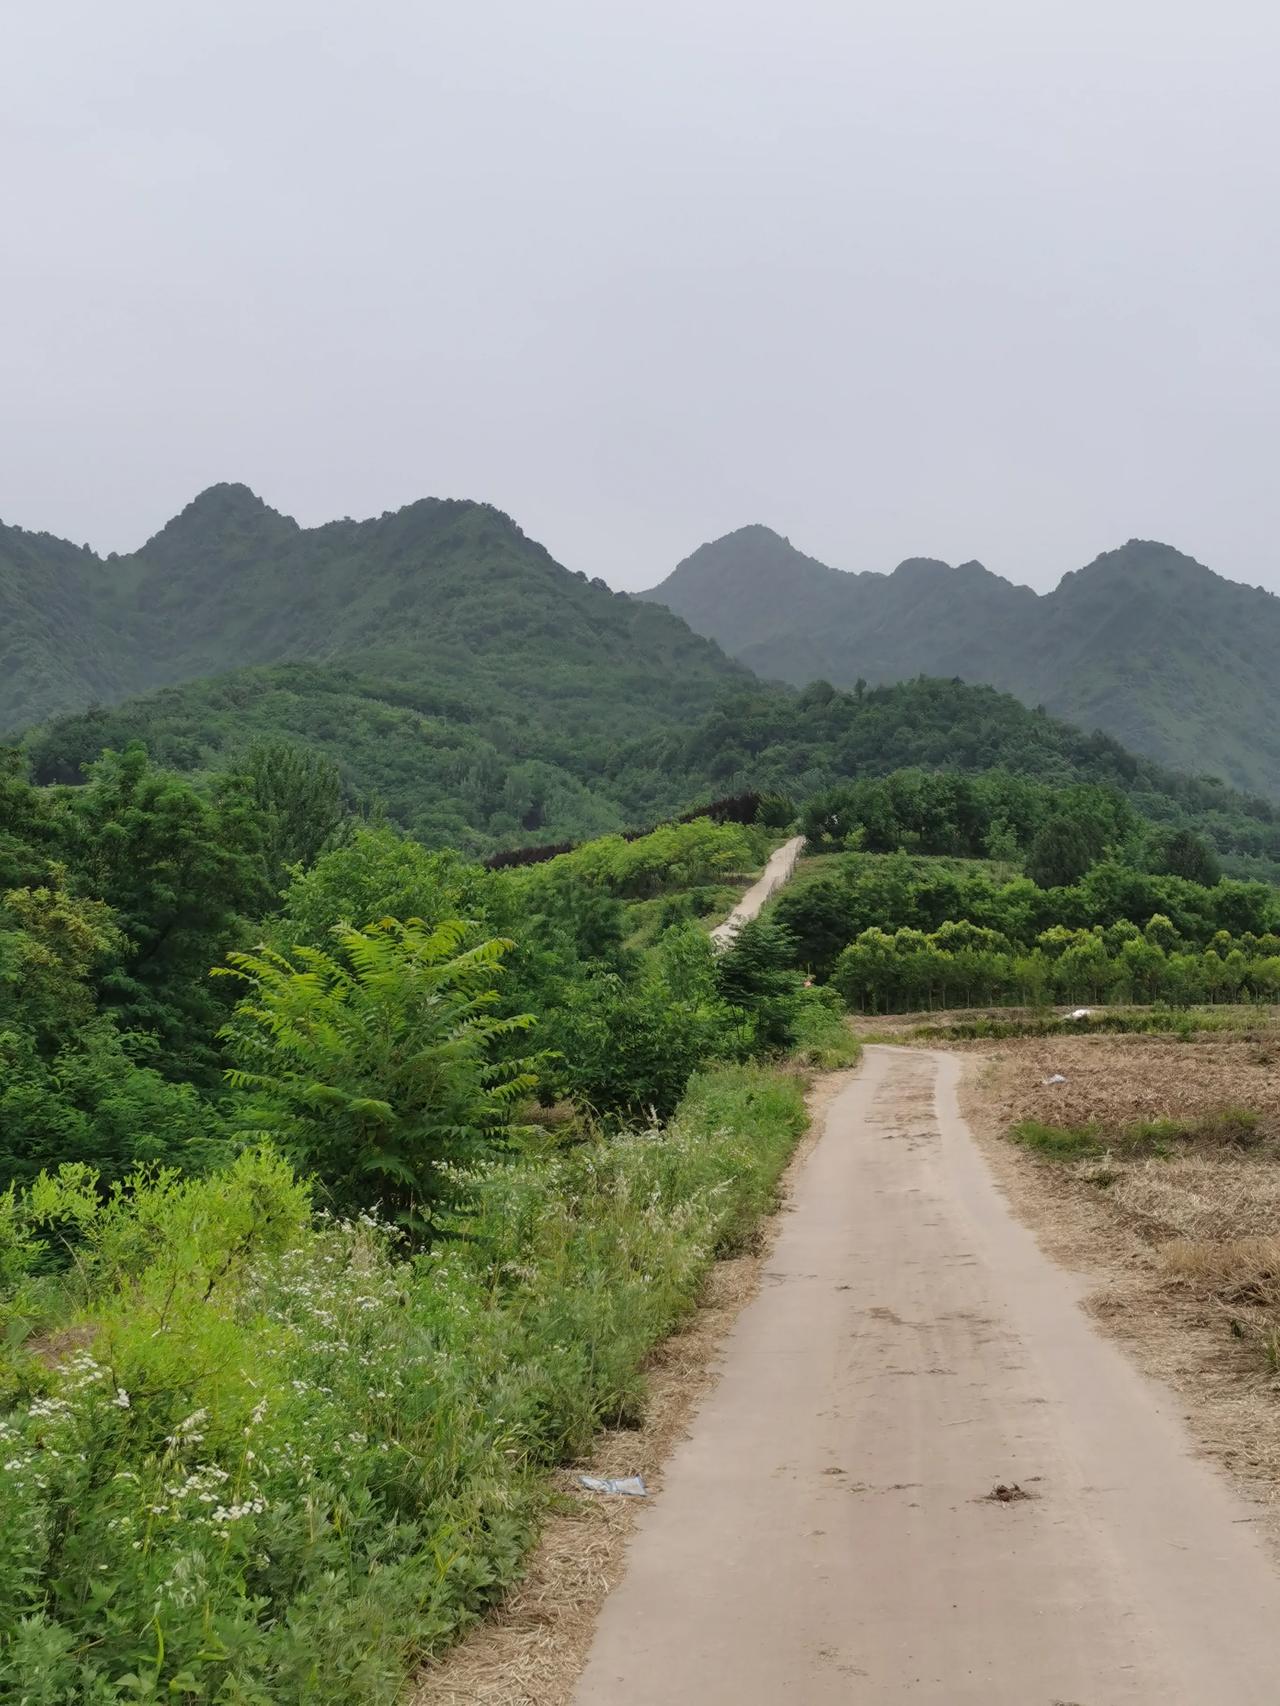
<point x="532" y="1650"/>
<point x="1117" y="1081"/>
<point x="1183" y="1253"/>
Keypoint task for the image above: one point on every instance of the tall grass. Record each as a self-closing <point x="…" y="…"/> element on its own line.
<point x="273" y="1458"/>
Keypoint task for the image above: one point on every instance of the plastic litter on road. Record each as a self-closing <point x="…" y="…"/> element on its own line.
<point x="631" y="1486"/>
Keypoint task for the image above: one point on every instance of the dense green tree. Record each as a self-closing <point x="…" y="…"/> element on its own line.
<point x="1061" y="853"/>
<point x="378" y="873"/>
<point x="27" y="830"/>
<point x="182" y="872"/>
<point x="820" y="918"/>
<point x="375" y="1065"/>
<point x="755" y="974"/>
<point x="50" y="943"/>
<point x="96" y="1100"/>
<point x="298" y="799"/>
<point x="1182" y="853"/>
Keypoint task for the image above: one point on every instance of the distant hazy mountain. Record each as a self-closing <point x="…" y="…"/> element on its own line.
<point x="1145" y="643"/>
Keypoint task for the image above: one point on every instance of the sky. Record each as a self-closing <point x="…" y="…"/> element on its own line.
<point x="896" y="277"/>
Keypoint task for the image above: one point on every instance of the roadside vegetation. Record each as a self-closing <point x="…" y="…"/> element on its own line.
<point x="282" y="1457"/>
<point x="345" y="1189"/>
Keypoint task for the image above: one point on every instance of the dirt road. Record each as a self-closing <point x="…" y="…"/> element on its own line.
<point x="778" y="870"/>
<point x="826" y="1534"/>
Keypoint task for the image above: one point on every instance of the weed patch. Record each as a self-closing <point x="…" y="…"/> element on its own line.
<point x="1227" y="1128"/>
<point x="287" y="1465"/>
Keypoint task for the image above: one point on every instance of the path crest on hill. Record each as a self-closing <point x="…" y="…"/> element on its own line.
<point x="826" y="1532"/>
<point x="778" y="870"/>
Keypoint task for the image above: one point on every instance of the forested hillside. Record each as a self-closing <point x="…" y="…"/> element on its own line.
<point x="480" y="695"/>
<point x="446" y="601"/>
<point x="1145" y="643"/>
<point x="456" y="779"/>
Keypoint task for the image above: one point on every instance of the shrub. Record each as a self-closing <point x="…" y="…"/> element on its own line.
<point x="755" y="974"/>
<point x="375" y="1066"/>
<point x="331" y="1458"/>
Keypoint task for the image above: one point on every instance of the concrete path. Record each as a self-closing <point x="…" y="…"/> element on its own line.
<point x="778" y="871"/>
<point x="825" y="1535"/>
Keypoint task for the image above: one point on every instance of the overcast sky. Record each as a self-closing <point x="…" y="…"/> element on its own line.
<point x="991" y="279"/>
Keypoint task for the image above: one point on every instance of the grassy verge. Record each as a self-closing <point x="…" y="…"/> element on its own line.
<point x="823" y="1036"/>
<point x="1231" y="1128"/>
<point x="268" y="1457"/>
<point x="1179" y="1023"/>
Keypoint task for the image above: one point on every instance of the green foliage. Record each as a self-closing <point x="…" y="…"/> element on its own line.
<point x="95" y="1100"/>
<point x="776" y="811"/>
<point x="965" y="965"/>
<point x="1059" y="1143"/>
<point x="949" y="814"/>
<point x="1180" y="853"/>
<point x="286" y="1463"/>
<point x="818" y="918"/>
<point x="755" y="973"/>
<point x="922" y="934"/>
<point x="72" y="1086"/>
<point x="1062" y="852"/>
<point x="895" y="891"/>
<point x="510" y="771"/>
<point x="50" y="943"/>
<point x="675" y="856"/>
<point x="378" y="873"/>
<point x="628" y="1044"/>
<point x="26" y="825"/>
<point x="819" y="1034"/>
<point x="297" y="797"/>
<point x="374" y="1065"/>
<point x="180" y="870"/>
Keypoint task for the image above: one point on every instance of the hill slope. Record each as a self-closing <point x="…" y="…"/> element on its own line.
<point x="1145" y="643"/>
<point x="444" y="595"/>
<point x="481" y="782"/>
<point x="489" y="697"/>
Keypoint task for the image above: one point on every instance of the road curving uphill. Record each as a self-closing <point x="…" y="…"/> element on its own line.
<point x="779" y="870"/>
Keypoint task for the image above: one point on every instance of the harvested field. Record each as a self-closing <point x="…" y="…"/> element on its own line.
<point x="1118" y="1081"/>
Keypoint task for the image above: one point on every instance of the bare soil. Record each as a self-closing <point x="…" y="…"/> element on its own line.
<point x="1181" y="1253"/>
<point x="1116" y="1081"/>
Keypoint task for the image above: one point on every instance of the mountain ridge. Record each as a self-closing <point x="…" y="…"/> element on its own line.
<point x="1143" y="642"/>
<point x="450" y="588"/>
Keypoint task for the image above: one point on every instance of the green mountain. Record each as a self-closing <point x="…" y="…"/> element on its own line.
<point x="486" y="696"/>
<point x="442" y="593"/>
<point x="1145" y="643"/>
<point x="440" y="628"/>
